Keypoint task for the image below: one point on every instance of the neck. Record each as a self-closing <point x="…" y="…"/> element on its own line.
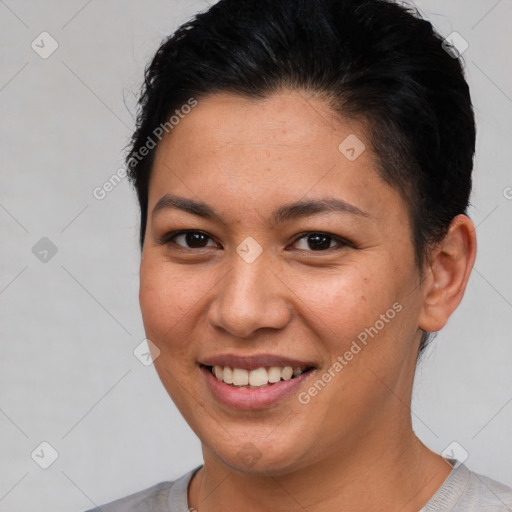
<point x="397" y="472"/>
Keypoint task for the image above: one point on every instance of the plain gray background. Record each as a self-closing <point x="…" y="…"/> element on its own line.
<point x="69" y="325"/>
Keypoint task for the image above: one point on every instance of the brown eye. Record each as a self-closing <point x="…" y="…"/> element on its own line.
<point x="189" y="239"/>
<point x="319" y="241"/>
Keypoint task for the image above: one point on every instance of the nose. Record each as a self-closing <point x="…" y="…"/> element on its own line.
<point x="249" y="298"/>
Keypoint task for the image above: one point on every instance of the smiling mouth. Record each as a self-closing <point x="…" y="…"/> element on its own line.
<point x="258" y="377"/>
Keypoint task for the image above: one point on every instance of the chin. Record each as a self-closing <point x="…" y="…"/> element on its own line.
<point x="263" y="458"/>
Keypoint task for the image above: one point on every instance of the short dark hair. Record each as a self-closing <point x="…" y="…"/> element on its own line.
<point x="372" y="60"/>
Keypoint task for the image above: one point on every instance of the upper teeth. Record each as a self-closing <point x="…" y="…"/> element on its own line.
<point x="257" y="377"/>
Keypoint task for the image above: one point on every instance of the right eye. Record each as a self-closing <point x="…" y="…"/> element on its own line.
<point x="192" y="239"/>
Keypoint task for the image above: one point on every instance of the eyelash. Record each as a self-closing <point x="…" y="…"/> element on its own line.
<point x="168" y="239"/>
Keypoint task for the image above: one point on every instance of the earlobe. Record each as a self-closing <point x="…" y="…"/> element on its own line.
<point x="449" y="269"/>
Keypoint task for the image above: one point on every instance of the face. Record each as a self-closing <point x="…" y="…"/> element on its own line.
<point x="297" y="259"/>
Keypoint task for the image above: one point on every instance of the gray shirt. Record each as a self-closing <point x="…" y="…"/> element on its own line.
<point x="462" y="491"/>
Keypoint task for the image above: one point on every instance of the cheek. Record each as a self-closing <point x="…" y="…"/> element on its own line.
<point x="169" y="298"/>
<point x="343" y="302"/>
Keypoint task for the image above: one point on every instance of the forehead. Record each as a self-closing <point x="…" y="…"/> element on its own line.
<point x="288" y="132"/>
<point x="270" y="150"/>
<point x="285" y="118"/>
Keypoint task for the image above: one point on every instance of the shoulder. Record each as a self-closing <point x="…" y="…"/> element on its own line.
<point x="148" y="500"/>
<point x="467" y="491"/>
<point x="162" y="497"/>
<point x="484" y="493"/>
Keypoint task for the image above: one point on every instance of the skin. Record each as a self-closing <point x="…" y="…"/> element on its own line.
<point x="352" y="446"/>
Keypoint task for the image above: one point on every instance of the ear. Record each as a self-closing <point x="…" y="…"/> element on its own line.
<point x="447" y="275"/>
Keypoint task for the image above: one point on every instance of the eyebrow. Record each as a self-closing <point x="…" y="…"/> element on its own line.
<point x="287" y="212"/>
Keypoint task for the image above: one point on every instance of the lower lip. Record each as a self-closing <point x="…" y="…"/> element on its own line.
<point x="256" y="398"/>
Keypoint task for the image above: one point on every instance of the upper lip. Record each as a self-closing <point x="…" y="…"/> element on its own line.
<point x="254" y="361"/>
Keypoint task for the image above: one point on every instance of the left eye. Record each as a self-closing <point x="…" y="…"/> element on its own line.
<point x="319" y="241"/>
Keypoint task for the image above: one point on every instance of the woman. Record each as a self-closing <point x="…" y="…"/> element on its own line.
<point x="303" y="169"/>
